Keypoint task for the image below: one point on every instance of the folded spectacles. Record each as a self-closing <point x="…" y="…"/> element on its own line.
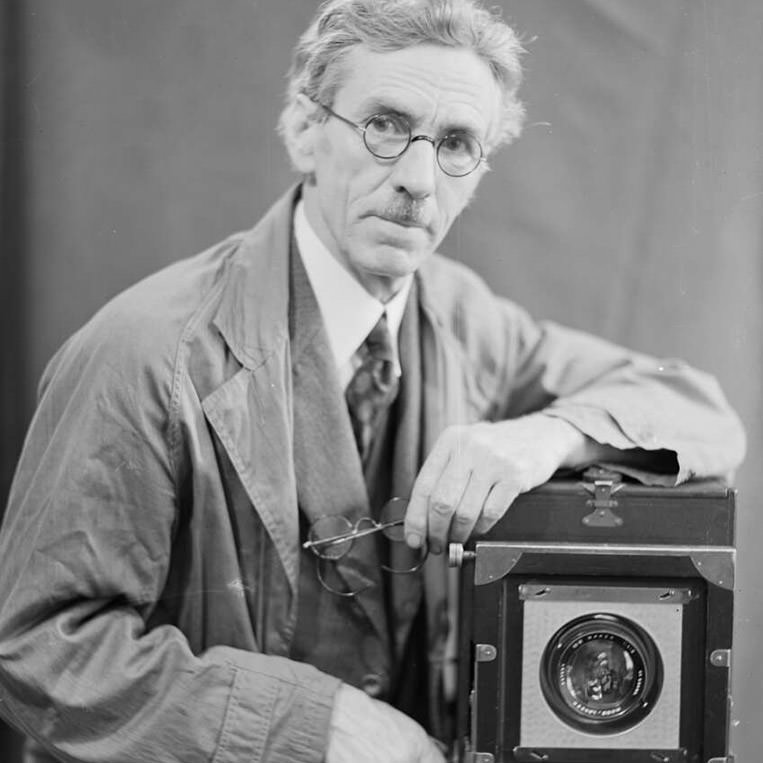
<point x="332" y="537"/>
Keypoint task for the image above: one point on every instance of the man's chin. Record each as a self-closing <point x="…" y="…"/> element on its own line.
<point x="386" y="267"/>
<point x="396" y="261"/>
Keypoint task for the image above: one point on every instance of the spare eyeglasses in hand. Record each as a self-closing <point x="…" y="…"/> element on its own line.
<point x="332" y="537"/>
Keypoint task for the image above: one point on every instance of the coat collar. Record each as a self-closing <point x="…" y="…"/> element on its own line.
<point x="253" y="310"/>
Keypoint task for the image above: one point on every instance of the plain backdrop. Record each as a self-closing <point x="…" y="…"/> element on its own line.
<point x="136" y="133"/>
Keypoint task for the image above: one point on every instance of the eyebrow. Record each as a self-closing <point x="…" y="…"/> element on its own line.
<point x="380" y="106"/>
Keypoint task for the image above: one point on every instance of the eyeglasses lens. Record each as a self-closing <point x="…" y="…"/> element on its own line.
<point x="331" y="537"/>
<point x="458" y="153"/>
<point x="401" y="559"/>
<point x="386" y="135"/>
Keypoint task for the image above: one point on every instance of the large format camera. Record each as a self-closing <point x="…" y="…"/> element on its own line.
<point x="596" y="626"/>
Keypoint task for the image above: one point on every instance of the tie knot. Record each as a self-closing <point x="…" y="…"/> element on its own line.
<point x="379" y="340"/>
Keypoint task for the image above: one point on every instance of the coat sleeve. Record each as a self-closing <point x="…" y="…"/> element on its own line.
<point x="671" y="420"/>
<point x="674" y="415"/>
<point x="84" y="553"/>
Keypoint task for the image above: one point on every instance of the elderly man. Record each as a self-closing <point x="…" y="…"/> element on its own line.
<point x="190" y="560"/>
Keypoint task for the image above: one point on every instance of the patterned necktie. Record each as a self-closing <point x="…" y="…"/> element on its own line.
<point x="373" y="386"/>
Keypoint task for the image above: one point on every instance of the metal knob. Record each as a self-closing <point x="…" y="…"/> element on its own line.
<point x="457" y="555"/>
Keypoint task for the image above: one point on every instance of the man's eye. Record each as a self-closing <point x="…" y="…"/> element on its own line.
<point x="458" y="143"/>
<point x="387" y="124"/>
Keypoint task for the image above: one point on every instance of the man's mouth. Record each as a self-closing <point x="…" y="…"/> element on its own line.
<point x="406" y="221"/>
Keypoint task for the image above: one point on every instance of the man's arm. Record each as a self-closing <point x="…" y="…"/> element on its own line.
<point x="84" y="554"/>
<point x="564" y="398"/>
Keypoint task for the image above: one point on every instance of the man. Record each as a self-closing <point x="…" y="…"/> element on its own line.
<point x="169" y="594"/>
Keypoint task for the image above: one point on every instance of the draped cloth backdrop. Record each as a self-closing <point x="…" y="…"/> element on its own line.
<point x="137" y="133"/>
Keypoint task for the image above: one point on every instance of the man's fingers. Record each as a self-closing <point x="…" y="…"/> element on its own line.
<point x="470" y="508"/>
<point x="445" y="500"/>
<point x="417" y="513"/>
<point x="496" y="505"/>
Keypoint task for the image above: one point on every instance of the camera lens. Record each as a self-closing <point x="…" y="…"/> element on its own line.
<point x="601" y="673"/>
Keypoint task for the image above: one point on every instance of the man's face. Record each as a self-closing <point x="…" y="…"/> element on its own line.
<point x="382" y="217"/>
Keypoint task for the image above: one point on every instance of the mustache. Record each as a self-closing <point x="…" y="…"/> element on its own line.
<point x="406" y="211"/>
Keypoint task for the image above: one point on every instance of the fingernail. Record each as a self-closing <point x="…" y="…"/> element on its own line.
<point x="435" y="547"/>
<point x="413" y="540"/>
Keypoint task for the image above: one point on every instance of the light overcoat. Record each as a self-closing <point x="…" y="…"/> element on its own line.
<point x="149" y="556"/>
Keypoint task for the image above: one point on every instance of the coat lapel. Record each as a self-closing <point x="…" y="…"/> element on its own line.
<point x="251" y="412"/>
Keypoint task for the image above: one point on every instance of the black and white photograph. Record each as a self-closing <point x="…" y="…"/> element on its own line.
<point x="381" y="381"/>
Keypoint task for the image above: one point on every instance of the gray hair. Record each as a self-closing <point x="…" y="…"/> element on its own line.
<point x="389" y="25"/>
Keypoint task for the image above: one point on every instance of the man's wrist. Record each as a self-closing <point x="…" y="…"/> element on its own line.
<point x="578" y="450"/>
<point x="574" y="447"/>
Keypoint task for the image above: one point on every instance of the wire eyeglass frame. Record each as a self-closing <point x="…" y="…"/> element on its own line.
<point x="406" y="137"/>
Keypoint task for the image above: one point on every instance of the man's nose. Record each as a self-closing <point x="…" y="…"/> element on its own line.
<point x="416" y="170"/>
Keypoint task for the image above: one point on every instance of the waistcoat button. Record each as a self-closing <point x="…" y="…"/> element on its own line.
<point x="374" y="684"/>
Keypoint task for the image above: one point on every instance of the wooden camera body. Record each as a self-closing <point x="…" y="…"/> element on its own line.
<point x="596" y="626"/>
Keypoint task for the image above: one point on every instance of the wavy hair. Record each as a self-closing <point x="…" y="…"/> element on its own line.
<point x="389" y="25"/>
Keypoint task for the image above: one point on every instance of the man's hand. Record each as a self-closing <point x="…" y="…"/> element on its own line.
<point x="475" y="472"/>
<point x="365" y="730"/>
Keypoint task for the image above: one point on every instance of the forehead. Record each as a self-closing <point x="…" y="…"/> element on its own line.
<point x="432" y="84"/>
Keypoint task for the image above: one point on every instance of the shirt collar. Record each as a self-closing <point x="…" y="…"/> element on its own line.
<point x="349" y="311"/>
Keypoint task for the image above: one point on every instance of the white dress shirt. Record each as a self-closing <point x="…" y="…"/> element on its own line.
<point x="349" y="311"/>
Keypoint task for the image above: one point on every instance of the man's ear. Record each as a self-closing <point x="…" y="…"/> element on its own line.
<point x="300" y="128"/>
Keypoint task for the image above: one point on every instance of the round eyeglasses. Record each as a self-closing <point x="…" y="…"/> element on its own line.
<point x="387" y="136"/>
<point x="332" y="537"/>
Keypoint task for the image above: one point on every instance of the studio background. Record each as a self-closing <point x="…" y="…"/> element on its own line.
<point x="134" y="134"/>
